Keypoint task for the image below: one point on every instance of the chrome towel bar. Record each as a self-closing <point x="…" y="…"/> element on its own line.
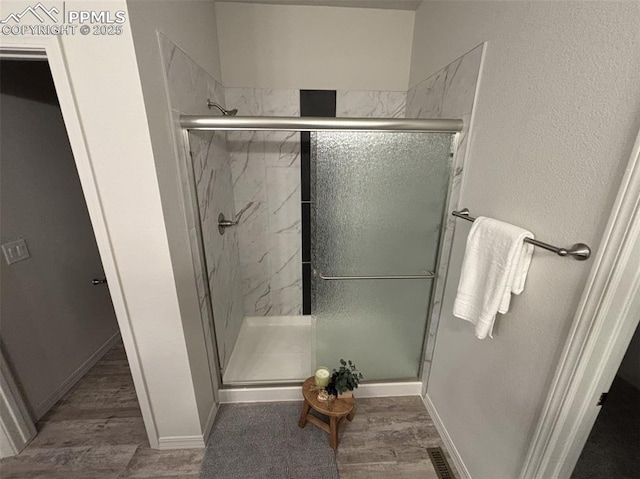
<point x="579" y="251"/>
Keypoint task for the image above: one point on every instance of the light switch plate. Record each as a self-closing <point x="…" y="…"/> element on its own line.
<point x="15" y="251"/>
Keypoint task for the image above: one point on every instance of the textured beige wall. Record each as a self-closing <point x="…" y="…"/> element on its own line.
<point x="306" y="47"/>
<point x="555" y="118"/>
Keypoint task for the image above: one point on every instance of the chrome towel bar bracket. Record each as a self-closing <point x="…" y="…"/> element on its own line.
<point x="579" y="251"/>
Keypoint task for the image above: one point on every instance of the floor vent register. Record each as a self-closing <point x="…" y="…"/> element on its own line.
<point x="440" y="464"/>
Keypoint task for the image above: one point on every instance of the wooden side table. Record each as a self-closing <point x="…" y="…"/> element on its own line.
<point x="340" y="408"/>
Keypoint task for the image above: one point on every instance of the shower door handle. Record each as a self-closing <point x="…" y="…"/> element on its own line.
<point x="401" y="276"/>
<point x="96" y="282"/>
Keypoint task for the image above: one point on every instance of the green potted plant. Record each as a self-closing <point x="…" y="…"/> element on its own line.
<point x="344" y="380"/>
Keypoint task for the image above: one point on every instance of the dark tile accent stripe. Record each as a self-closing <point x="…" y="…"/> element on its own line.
<point x="312" y="103"/>
<point x="306" y="232"/>
<point x="305" y="165"/>
<point x="318" y="103"/>
<point x="306" y="288"/>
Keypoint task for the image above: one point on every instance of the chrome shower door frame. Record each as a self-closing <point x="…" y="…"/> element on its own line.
<point x="454" y="126"/>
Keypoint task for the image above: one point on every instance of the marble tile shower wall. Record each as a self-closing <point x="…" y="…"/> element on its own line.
<point x="449" y="93"/>
<point x="266" y="185"/>
<point x="188" y="87"/>
<point x="258" y="267"/>
<point x="212" y="171"/>
<point x="370" y="104"/>
<point x="267" y="191"/>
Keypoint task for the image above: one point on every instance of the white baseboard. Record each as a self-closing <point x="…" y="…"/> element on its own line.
<point x="42" y="408"/>
<point x="181" y="442"/>
<point x="293" y="393"/>
<point x="446" y="438"/>
<point x="190" y="442"/>
<point x="209" y="425"/>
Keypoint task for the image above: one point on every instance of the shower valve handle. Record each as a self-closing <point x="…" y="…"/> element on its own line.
<point x="224" y="223"/>
<point x="227" y="223"/>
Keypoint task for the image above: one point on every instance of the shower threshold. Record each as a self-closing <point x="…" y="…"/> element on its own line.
<point x="272" y="350"/>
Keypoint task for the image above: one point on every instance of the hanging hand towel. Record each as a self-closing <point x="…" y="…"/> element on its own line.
<point x="495" y="265"/>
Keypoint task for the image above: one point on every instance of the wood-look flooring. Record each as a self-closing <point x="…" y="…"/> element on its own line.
<point x="96" y="431"/>
<point x="388" y="438"/>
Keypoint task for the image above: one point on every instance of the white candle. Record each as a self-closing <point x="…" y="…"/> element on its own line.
<point x="323" y="376"/>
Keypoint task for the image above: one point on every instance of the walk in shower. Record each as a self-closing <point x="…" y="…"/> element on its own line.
<point x="371" y="225"/>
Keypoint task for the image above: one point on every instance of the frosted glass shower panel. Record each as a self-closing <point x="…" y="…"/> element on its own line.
<point x="378" y="324"/>
<point x="378" y="202"/>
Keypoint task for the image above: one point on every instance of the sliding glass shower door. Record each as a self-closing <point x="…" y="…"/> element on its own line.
<point x="377" y="207"/>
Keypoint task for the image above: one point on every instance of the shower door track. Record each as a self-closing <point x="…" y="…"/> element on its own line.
<point x="263" y="123"/>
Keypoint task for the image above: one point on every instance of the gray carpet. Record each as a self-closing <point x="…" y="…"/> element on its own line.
<point x="263" y="440"/>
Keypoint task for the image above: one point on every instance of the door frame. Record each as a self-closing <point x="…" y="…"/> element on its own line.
<point x="605" y="321"/>
<point x="16" y="426"/>
<point x="52" y="49"/>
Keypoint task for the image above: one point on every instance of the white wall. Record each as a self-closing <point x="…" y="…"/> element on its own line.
<point x="189" y="23"/>
<point x="107" y="91"/>
<point x="53" y="318"/>
<point x="555" y="118"/>
<point x="303" y="47"/>
<point x="109" y="95"/>
<point x="192" y="26"/>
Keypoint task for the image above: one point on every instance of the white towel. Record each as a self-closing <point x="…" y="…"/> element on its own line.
<point x="495" y="266"/>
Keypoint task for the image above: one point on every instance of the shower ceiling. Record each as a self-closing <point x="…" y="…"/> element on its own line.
<point x="387" y="4"/>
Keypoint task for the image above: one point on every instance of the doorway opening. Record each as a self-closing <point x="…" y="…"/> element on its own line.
<point x="612" y="447"/>
<point x="59" y="334"/>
